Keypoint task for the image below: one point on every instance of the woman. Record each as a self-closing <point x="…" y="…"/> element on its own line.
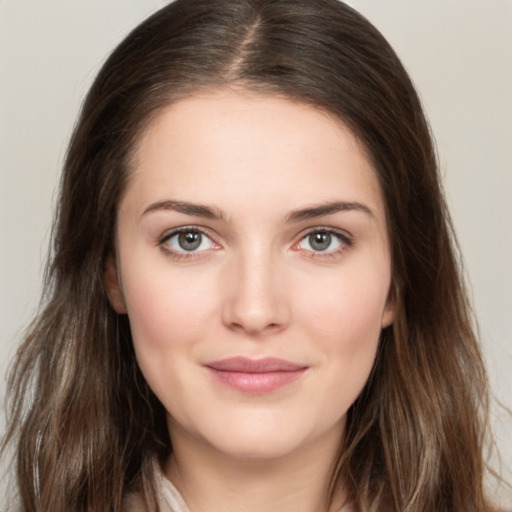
<point x="253" y="300"/>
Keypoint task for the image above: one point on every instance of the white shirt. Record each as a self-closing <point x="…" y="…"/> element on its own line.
<point x="169" y="499"/>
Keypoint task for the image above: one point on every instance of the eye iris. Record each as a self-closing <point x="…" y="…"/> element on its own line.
<point x="189" y="241"/>
<point x="320" y="241"/>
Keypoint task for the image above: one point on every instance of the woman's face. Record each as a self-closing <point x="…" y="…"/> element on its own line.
<point x="254" y="266"/>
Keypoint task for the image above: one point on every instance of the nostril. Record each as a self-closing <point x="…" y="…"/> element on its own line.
<point x="255" y="330"/>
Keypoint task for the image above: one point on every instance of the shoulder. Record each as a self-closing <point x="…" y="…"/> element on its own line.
<point x="167" y="497"/>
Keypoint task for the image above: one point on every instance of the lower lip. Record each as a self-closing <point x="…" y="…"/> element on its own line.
<point x="256" y="383"/>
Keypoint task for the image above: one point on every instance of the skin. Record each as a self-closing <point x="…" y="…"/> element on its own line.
<point x="256" y="287"/>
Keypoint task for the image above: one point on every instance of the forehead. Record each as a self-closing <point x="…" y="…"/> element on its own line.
<point x="226" y="145"/>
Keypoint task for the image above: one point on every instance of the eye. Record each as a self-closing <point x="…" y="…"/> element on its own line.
<point x="187" y="240"/>
<point x="323" y="241"/>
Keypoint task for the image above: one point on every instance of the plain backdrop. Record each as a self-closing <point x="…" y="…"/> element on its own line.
<point x="458" y="52"/>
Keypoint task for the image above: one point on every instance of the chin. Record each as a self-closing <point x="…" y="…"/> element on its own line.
<point x="256" y="448"/>
<point x="264" y="437"/>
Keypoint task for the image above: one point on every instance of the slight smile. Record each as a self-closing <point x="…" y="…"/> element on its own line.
<point x="255" y="376"/>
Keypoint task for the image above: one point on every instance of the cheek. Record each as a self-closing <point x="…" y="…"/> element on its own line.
<point x="348" y="311"/>
<point x="164" y="310"/>
<point x="168" y="319"/>
<point x="344" y="320"/>
<point x="350" y="340"/>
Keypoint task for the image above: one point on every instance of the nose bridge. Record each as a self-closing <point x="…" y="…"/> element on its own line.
<point x="256" y="302"/>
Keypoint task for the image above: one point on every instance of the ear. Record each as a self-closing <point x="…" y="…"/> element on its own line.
<point x="388" y="314"/>
<point x="113" y="286"/>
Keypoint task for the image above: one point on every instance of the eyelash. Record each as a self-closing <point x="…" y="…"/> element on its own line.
<point x="346" y="241"/>
<point x="344" y="238"/>
<point x="183" y="255"/>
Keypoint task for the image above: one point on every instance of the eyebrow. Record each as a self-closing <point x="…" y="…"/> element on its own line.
<point x="327" y="209"/>
<point x="208" y="212"/>
<point x="198" y="210"/>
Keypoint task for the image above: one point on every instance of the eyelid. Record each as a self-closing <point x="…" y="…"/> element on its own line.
<point x="165" y="237"/>
<point x="346" y="239"/>
<point x="343" y="236"/>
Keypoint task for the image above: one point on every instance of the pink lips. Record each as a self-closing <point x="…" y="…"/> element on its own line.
<point x="255" y="376"/>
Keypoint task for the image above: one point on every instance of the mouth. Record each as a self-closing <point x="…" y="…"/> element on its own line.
<point x="255" y="376"/>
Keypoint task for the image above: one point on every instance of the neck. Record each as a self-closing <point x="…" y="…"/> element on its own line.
<point x="297" y="482"/>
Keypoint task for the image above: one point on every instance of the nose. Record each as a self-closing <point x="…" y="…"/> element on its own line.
<point x="255" y="300"/>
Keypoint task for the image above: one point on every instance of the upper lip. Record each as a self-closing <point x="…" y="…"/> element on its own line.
<point x="247" y="365"/>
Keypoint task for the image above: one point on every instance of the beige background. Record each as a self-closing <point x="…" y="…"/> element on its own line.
<point x="459" y="53"/>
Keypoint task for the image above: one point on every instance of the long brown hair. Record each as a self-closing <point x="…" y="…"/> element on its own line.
<point x="86" y="424"/>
